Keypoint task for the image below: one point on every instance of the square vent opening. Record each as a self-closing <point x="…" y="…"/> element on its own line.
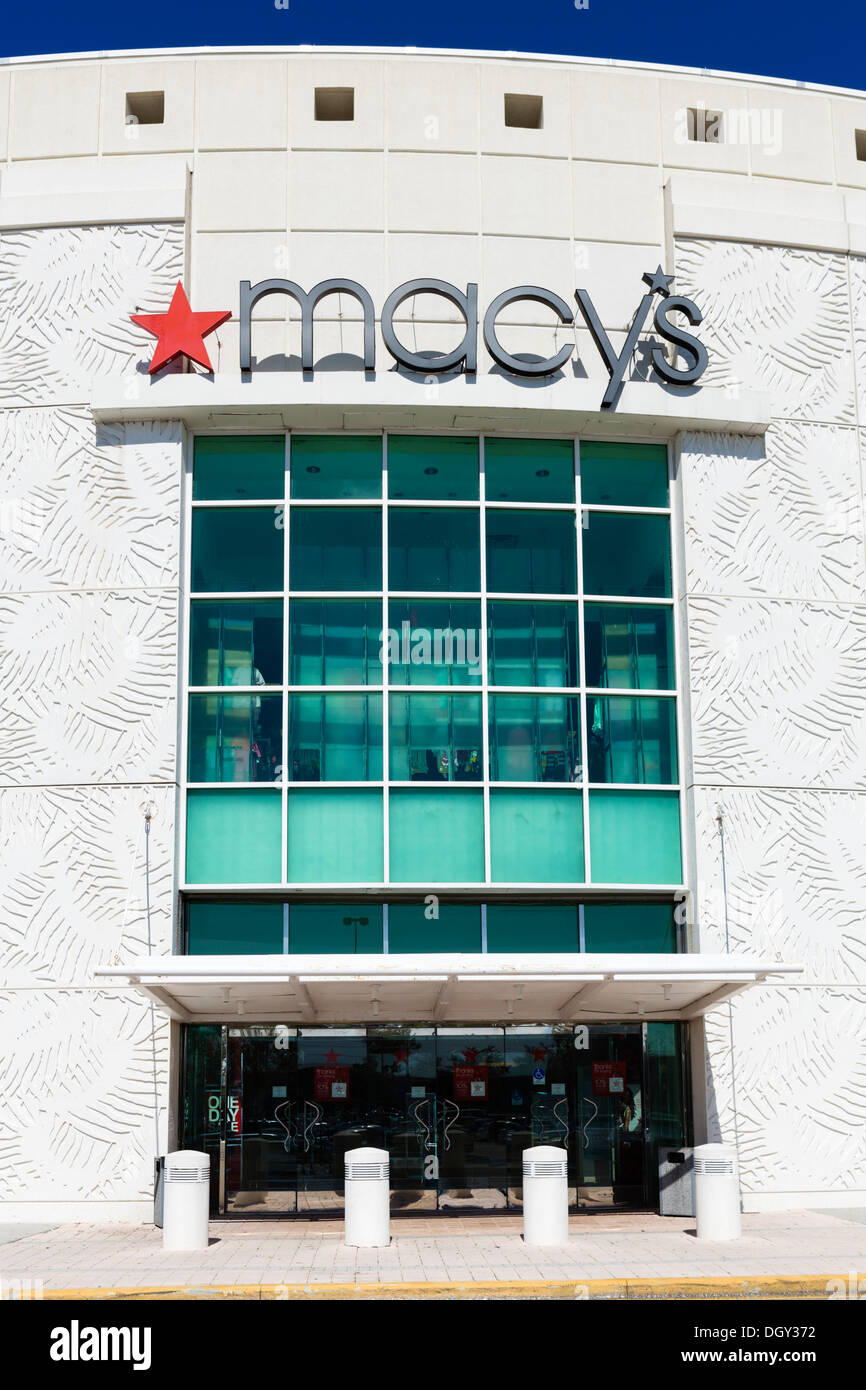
<point x="523" y="111"/>
<point x="860" y="143"/>
<point x="145" y="108"/>
<point x="335" y="103"/>
<point x="707" y="127"/>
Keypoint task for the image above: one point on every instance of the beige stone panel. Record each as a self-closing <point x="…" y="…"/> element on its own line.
<point x="432" y="106"/>
<point x="239" y="192"/>
<point x="553" y="137"/>
<point x="527" y="197"/>
<point x="848" y="115"/>
<point x="366" y="78"/>
<point x="242" y="104"/>
<point x="329" y="191"/>
<point x="680" y="95"/>
<point x="790" y="134"/>
<point x="617" y="202"/>
<point x="432" y="192"/>
<point x="615" y="116"/>
<point x="175" y="80"/>
<point x="55" y="111"/>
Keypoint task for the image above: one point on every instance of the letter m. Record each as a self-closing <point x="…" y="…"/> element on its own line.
<point x="251" y="294"/>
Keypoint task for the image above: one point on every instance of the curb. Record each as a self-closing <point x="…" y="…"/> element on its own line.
<point x="696" y="1288"/>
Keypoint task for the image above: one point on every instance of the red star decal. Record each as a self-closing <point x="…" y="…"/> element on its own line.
<point x="331" y="1056"/>
<point x="180" y="331"/>
<point x="469" y="1055"/>
<point x="401" y="1055"/>
<point x="539" y="1053"/>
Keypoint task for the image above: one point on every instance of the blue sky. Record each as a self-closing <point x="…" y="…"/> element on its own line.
<point x="800" y="39"/>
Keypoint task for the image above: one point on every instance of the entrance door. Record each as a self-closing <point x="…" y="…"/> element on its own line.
<point x="610" y="1109"/>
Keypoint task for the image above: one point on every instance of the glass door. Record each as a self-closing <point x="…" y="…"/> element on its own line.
<point x="402" y="1065"/>
<point x="334" y="1112"/>
<point x="540" y="1067"/>
<point x="610" y="1115"/>
<point x="475" y="1118"/>
<point x="259" y="1121"/>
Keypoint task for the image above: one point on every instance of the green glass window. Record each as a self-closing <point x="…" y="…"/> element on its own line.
<point x="234" y="929"/>
<point x="434" y="642"/>
<point x="536" y="836"/>
<point x="334" y="548"/>
<point x="335" y="836"/>
<point x="626" y="555"/>
<point x="532" y="928"/>
<point x="534" y="738"/>
<point x="529" y="470"/>
<point x="430" y="466"/>
<point x="336" y="466"/>
<point x="228" y="468"/>
<point x="531" y="552"/>
<point x="235" y="738"/>
<point x="665" y="1082"/>
<point x="435" y="738"/>
<point x="335" y="738"/>
<point x="436" y="836"/>
<point x="624" y="475"/>
<point x="233" y="836"/>
<point x="629" y="927"/>
<point x="532" y="643"/>
<point x="635" y="837"/>
<point x="237" y="549"/>
<point x="434" y="549"/>
<point x="236" y="643"/>
<point x="456" y="927"/>
<point x="629" y="648"/>
<point x="335" y="929"/>
<point x="335" y="641"/>
<point x="631" y="740"/>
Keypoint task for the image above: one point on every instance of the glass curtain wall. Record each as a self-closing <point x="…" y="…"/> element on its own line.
<point x="430" y="660"/>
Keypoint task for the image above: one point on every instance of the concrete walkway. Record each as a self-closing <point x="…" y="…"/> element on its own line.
<point x="608" y="1255"/>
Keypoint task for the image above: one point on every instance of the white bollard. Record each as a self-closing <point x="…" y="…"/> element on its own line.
<point x="368" y="1196"/>
<point x="545" y="1196"/>
<point x="717" y="1192"/>
<point x="186" y="1200"/>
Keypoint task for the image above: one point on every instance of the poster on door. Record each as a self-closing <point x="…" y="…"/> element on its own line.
<point x="331" y="1083"/>
<point x="470" y="1083"/>
<point x="213" y="1102"/>
<point x="608" y="1078"/>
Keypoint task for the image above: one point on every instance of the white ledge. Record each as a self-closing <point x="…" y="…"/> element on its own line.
<point x="350" y="399"/>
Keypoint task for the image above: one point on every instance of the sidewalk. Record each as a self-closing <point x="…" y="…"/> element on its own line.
<point x="613" y="1255"/>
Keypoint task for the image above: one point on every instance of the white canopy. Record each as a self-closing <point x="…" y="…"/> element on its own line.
<point x="440" y="989"/>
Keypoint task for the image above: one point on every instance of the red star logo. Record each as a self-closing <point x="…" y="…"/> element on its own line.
<point x="180" y="331"/>
<point x="331" y="1056"/>
<point x="539" y="1053"/>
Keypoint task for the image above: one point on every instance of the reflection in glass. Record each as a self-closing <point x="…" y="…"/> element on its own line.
<point x="433" y="549"/>
<point x="631" y="740"/>
<point x="226" y="467"/>
<point x="334" y="548"/>
<point x="236" y="643"/>
<point x="629" y="648"/>
<point x="237" y="549"/>
<point x="435" y="738"/>
<point x="434" y="642"/>
<point x="534" y="738"/>
<point x="234" y="929"/>
<point x="455" y="927"/>
<point x="335" y="466"/>
<point x="335" y="738"/>
<point x="531" y="552"/>
<point x="529" y="470"/>
<point x="434" y="466"/>
<point x="624" y="475"/>
<point x="235" y="738"/>
<point x="335" y="928"/>
<point x="626" y="554"/>
<point x="532" y="643"/>
<point x="335" y="641"/>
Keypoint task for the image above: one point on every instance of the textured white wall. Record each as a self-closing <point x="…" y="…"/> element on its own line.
<point x="88" y="652"/>
<point x="776" y="624"/>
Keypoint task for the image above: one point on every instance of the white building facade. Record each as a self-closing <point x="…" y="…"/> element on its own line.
<point x="125" y="174"/>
